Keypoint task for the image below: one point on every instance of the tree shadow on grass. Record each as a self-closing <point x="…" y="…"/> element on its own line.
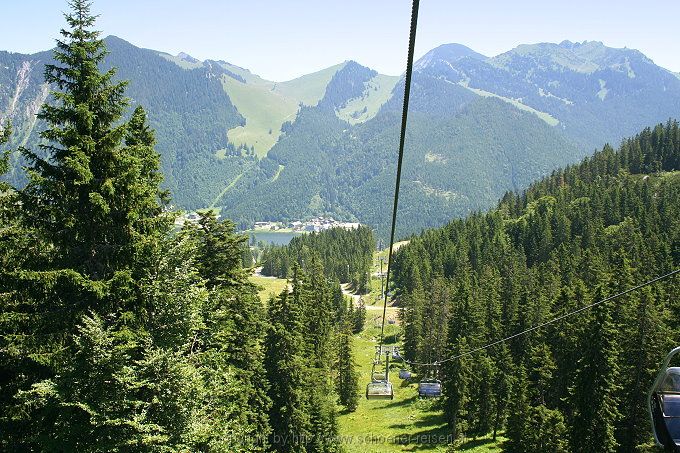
<point x="430" y="420"/>
<point x="405" y="383"/>
<point x="401" y="403"/>
<point x="475" y="443"/>
<point x="428" y="439"/>
<point x="345" y="411"/>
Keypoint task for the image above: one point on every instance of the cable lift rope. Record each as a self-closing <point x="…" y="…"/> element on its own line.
<point x="382" y="388"/>
<point x="402" y="138"/>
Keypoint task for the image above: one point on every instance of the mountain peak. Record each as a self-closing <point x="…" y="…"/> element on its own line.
<point x="566" y="44"/>
<point x="447" y="52"/>
<point x="583" y="57"/>
<point x="113" y="40"/>
<point x="188" y="58"/>
<point x="347" y="83"/>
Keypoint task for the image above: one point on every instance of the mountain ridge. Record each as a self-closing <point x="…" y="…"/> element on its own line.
<point x="324" y="143"/>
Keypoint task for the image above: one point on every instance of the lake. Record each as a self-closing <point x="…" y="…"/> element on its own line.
<point x="273" y="237"/>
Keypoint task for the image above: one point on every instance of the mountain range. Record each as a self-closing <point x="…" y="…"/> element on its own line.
<point x="326" y="142"/>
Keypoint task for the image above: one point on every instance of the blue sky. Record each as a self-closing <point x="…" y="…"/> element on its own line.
<point x="282" y="39"/>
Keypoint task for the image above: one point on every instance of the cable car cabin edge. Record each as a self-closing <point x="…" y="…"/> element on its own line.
<point x="379" y="390"/>
<point x="664" y="405"/>
<point x="430" y="388"/>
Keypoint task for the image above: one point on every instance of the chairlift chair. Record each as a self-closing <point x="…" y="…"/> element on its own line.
<point x="379" y="390"/>
<point x="430" y="388"/>
<point x="664" y="405"/>
<point x="404" y="374"/>
<point x="378" y="376"/>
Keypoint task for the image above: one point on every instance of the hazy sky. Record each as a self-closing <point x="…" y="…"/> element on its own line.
<point x="282" y="39"/>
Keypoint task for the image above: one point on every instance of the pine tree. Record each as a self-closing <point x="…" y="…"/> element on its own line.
<point x="411" y="314"/>
<point x="79" y="300"/>
<point x="645" y="339"/>
<point x="317" y="307"/>
<point x="545" y="431"/>
<point x="230" y="350"/>
<point x="541" y="374"/>
<point x="318" y="331"/>
<point x="302" y="414"/>
<point x="8" y="234"/>
<point x="5" y="134"/>
<point x="482" y="406"/>
<point x="347" y="380"/>
<point x="596" y="385"/>
<point x="323" y="417"/>
<point x="457" y="385"/>
<point x="339" y="303"/>
<point x="519" y="410"/>
<point x="434" y="321"/>
<point x="502" y="381"/>
<point x="219" y="260"/>
<point x="359" y="317"/>
<point x="288" y="375"/>
<point x="92" y="195"/>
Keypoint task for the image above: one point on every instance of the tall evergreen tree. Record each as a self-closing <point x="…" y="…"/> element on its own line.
<point x="359" y="316"/>
<point x="231" y="337"/>
<point x="545" y="431"/>
<point x="519" y="408"/>
<point x="5" y="134"/>
<point x="219" y="260"/>
<point x="288" y="375"/>
<point x="77" y="196"/>
<point x="502" y="383"/>
<point x="411" y="314"/>
<point x="347" y="380"/>
<point x="596" y="386"/>
<point x="78" y="307"/>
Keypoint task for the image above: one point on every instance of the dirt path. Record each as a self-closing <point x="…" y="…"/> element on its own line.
<point x="347" y="292"/>
<point x="257" y="272"/>
<point x="356" y="298"/>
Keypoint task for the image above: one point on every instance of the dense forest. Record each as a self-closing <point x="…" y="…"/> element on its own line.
<point x="118" y="333"/>
<point x="347" y="255"/>
<point x="583" y="234"/>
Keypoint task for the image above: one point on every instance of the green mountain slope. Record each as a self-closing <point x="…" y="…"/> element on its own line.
<point x="230" y="138"/>
<point x="477" y="128"/>
<point x="377" y="92"/>
<point x="309" y="88"/>
<point x="348" y="170"/>
<point x="191" y="114"/>
<point x="188" y="109"/>
<point x="208" y="116"/>
<point x="266" y="105"/>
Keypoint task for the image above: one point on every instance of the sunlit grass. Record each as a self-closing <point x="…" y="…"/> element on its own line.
<point x="269" y="286"/>
<point x="406" y="423"/>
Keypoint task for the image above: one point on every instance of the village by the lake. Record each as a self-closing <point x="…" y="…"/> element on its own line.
<point x="313" y="225"/>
